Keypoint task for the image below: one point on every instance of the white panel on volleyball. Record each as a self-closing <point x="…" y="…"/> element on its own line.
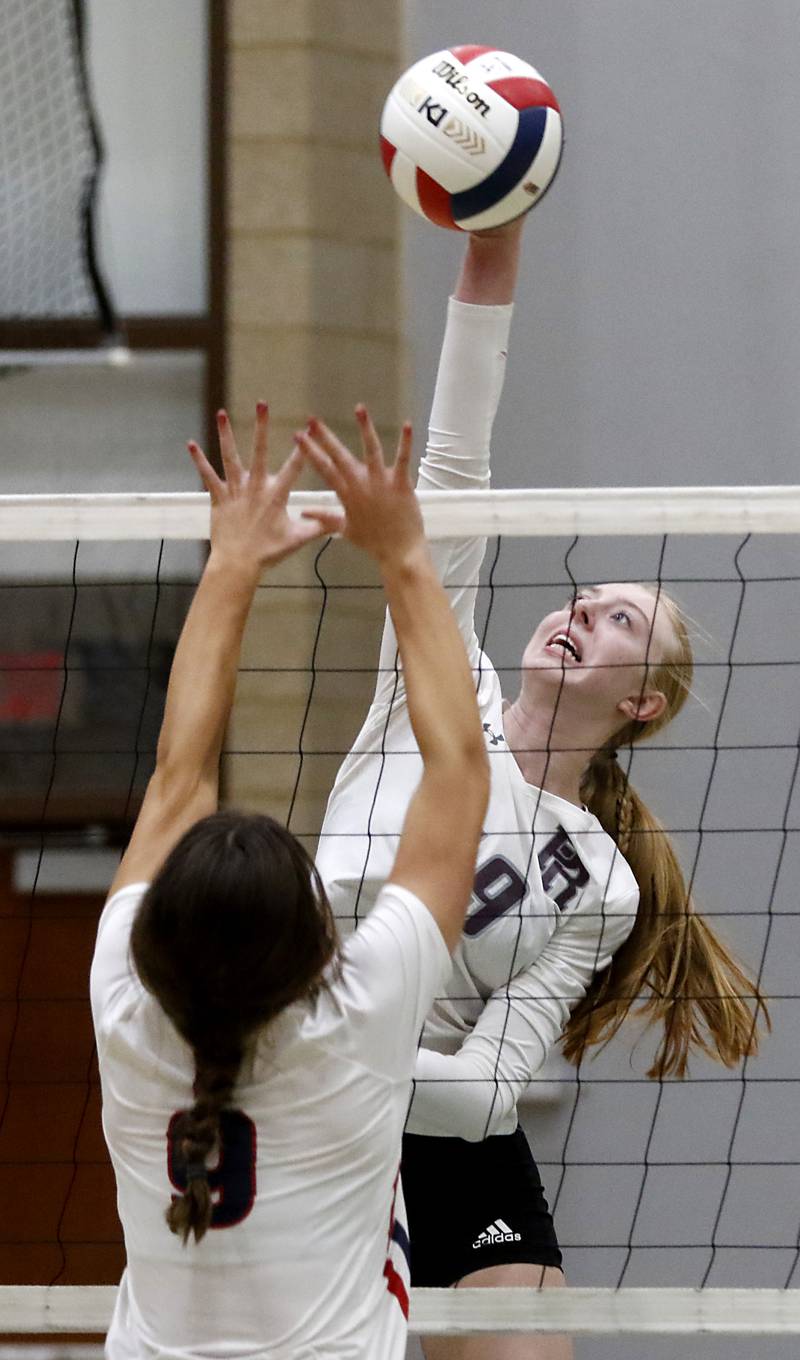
<point x="435" y="146"/>
<point x="539" y="173"/>
<point x="496" y="64"/>
<point x="404" y="179"/>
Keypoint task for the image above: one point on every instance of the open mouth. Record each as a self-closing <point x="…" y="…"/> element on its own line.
<point x="565" y="645"/>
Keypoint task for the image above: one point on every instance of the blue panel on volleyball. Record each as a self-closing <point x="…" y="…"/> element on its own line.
<point x="509" y="172"/>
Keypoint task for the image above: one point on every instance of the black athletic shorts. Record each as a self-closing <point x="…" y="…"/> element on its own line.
<point x="472" y="1205"/>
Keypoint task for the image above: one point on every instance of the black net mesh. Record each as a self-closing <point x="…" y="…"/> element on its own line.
<point x="652" y="1182"/>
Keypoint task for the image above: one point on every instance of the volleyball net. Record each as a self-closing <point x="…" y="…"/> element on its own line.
<point x="676" y="1202"/>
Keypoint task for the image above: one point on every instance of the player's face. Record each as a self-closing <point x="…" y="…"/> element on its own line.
<point x="596" y="647"/>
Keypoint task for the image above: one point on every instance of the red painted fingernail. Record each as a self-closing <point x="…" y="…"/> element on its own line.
<point x="261" y="408"/>
<point x="361" y="411"/>
<point x="222" y="416"/>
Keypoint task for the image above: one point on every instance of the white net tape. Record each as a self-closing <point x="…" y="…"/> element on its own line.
<point x="521" y="512"/>
<point x="448" y="1312"/>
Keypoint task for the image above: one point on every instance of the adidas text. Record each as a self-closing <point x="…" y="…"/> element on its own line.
<point x="496" y="1232"/>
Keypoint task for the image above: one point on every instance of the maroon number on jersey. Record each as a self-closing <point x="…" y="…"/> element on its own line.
<point x="233" y="1180"/>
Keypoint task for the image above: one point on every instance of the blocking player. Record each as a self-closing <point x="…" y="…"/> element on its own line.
<point x="255" y="1076"/>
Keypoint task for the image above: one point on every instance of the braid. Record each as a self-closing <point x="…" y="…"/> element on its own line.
<point x="624" y="811"/>
<point x="195" y="1135"/>
<point x="608" y="794"/>
<point x="235" y="927"/>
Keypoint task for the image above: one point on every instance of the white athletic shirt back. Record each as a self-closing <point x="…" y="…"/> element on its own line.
<point x="307" y="1261"/>
<point x="553" y="897"/>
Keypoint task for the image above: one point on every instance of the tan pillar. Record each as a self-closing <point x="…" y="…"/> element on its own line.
<point x="314" y="315"/>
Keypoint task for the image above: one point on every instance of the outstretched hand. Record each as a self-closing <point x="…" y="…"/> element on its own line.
<point x="249" y="520"/>
<point x="381" y="514"/>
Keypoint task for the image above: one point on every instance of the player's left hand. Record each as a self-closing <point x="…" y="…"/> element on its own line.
<point x="250" y="525"/>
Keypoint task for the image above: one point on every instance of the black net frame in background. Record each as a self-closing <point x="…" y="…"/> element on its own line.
<point x="139" y="675"/>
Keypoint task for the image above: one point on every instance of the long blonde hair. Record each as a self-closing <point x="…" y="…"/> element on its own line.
<point x="694" y="986"/>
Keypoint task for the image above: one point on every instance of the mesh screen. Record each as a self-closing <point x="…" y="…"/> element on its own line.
<point x="50" y="155"/>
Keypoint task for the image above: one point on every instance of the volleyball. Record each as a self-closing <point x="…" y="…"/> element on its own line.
<point x="471" y="137"/>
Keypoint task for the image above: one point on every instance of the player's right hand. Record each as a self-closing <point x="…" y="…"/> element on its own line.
<point x="380" y="512"/>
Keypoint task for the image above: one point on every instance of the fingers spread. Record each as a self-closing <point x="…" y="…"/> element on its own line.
<point x="337" y="452"/>
<point x="289" y="473"/>
<point x="373" y="453"/>
<point x="258" y="463"/>
<point x="212" y="483"/>
<point x="234" y="472"/>
<point x="324" y="464"/>
<point x="404" y="447"/>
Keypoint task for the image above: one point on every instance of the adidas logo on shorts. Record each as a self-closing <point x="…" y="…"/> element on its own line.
<point x="497" y="1232"/>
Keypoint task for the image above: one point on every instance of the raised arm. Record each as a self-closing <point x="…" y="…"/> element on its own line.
<point x="467" y="393"/>
<point x="436" y="855"/>
<point x="472" y="363"/>
<point x="250" y="529"/>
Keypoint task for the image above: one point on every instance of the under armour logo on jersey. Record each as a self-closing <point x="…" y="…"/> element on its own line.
<point x="497" y="1232"/>
<point x="495" y="739"/>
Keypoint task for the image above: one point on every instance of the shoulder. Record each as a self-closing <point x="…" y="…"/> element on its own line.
<point x="373" y="1006"/>
<point x="117" y="915"/>
<point x="111" y="970"/>
<point x="399" y="926"/>
<point x="395" y="961"/>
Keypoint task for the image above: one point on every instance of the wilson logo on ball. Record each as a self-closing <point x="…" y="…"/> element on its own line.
<point x="454" y="78"/>
<point x="484" y="164"/>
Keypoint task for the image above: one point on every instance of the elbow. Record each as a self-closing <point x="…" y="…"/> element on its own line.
<point x="178" y="787"/>
<point x="472" y="770"/>
<point x="477" y="781"/>
<point x="462" y="776"/>
<point x="487" y="1122"/>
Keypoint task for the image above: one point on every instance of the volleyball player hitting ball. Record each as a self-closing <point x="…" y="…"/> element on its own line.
<point x="578" y="903"/>
<point x="255" y="1078"/>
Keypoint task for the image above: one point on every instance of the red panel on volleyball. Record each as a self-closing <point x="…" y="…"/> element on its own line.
<point x="435" y="201"/>
<point x="523" y="93"/>
<point x="468" y="51"/>
<point x="387" y="154"/>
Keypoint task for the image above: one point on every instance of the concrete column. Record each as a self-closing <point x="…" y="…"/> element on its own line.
<point x="315" y="324"/>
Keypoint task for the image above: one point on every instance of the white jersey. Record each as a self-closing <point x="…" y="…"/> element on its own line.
<point x="553" y="897"/>
<point x="306" y="1256"/>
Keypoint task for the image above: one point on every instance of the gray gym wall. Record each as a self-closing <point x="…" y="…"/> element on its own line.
<point x="656" y="341"/>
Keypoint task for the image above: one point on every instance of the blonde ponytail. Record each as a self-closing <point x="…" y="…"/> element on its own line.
<point x="694" y="986"/>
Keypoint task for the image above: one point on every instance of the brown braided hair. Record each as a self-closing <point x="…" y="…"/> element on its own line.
<point x="696" y="989"/>
<point x="235" y="927"/>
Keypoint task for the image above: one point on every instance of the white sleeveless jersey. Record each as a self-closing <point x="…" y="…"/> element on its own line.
<point x="553" y="898"/>
<point x="307" y="1254"/>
